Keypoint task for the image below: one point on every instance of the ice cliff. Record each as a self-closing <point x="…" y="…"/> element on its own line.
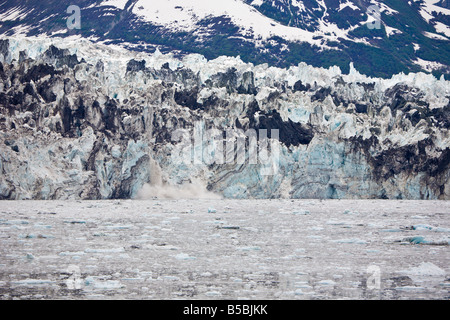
<point x="89" y="121"/>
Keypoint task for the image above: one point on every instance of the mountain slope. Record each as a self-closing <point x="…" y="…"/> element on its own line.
<point x="413" y="35"/>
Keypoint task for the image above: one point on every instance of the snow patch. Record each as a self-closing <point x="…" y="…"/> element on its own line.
<point x="115" y="3"/>
<point x="429" y="6"/>
<point x="429" y="66"/>
<point x="435" y="36"/>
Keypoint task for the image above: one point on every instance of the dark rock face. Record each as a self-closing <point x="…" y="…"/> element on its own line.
<point x="321" y="94"/>
<point x="410" y="160"/>
<point x="299" y="86"/>
<point x="37" y="72"/>
<point x="290" y="133"/>
<point x="45" y="90"/>
<point x="226" y="80"/>
<point x="60" y="57"/>
<point x="247" y="85"/>
<point x="361" y="108"/>
<point x="135" y="66"/>
<point x="187" y="98"/>
<point x="67" y="118"/>
<point x="4" y="48"/>
<point x="402" y="97"/>
<point x="72" y="129"/>
<point x="110" y="115"/>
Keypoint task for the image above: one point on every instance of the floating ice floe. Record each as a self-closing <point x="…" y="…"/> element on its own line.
<point x="74" y="253"/>
<point x="32" y="282"/>
<point x="355" y="241"/>
<point x="120" y="227"/>
<point x="339" y="223"/>
<point x="228" y="227"/>
<point x="42" y="226"/>
<point x="213" y="294"/>
<point x="347" y="211"/>
<point x="251" y="229"/>
<point x="326" y="283"/>
<point x="298" y="292"/>
<point x="184" y="256"/>
<point x="410" y="288"/>
<point x="35" y="236"/>
<point x="391" y="230"/>
<point x="75" y="221"/>
<point x="169" y="278"/>
<point x="422" y="240"/>
<point x="424" y="270"/>
<point x="301" y="212"/>
<point x="249" y="248"/>
<point x="104" y="250"/>
<point x="15" y="222"/>
<point x="97" y="283"/>
<point x="430" y="228"/>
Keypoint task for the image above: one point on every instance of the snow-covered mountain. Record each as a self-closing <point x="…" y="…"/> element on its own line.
<point x="84" y="120"/>
<point x="381" y="38"/>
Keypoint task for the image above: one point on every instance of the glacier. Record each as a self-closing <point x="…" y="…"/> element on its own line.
<point x="83" y="120"/>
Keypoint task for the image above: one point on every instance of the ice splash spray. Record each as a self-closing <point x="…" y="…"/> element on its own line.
<point x="155" y="169"/>
<point x="157" y="188"/>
